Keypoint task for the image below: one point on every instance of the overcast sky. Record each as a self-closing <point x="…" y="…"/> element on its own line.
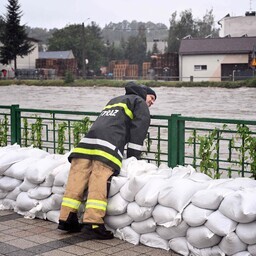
<point x="59" y="13"/>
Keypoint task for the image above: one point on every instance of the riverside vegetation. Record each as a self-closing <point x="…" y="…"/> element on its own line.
<point x="119" y="83"/>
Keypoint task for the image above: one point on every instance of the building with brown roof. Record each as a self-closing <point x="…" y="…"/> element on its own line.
<point x="216" y="59"/>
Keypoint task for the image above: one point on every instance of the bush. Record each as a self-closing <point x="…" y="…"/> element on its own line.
<point x="69" y="78"/>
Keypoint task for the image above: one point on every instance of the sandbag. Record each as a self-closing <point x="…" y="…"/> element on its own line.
<point x="116" y="183"/>
<point x="210" y="198"/>
<point x="240" y="206"/>
<point x="128" y="234"/>
<point x="165" y="216"/>
<point x="172" y="232"/>
<point x="139" y="213"/>
<point x="145" y="226"/>
<point x="177" y="193"/>
<point x="195" y="216"/>
<point x="220" y="224"/>
<point x="116" y="205"/>
<point x="154" y="240"/>
<point x="231" y="244"/>
<point x="201" y="237"/>
<point x="179" y="245"/>
<point x="247" y="232"/>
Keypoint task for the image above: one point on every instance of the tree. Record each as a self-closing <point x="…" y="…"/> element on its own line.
<point x="14" y="39"/>
<point x="136" y="48"/>
<point x="89" y="47"/>
<point x="188" y="27"/>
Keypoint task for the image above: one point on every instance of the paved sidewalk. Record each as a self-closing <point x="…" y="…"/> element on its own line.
<point x="25" y="237"/>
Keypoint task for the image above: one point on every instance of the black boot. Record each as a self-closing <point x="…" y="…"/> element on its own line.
<point x="71" y="224"/>
<point x="97" y="232"/>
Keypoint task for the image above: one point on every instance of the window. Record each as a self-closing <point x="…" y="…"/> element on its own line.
<point x="200" y="67"/>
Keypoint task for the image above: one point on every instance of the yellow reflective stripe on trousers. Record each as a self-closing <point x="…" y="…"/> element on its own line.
<point x="127" y="111"/>
<point x="96" y="204"/>
<point x="98" y="153"/>
<point x="71" y="203"/>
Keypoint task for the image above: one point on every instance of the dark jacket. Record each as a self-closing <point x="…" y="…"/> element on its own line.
<point x="124" y="120"/>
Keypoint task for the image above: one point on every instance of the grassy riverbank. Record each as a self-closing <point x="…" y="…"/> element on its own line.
<point x="120" y="83"/>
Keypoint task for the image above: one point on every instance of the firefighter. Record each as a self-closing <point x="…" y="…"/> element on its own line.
<point x="124" y="121"/>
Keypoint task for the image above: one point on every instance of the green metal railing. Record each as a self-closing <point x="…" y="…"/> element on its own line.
<point x="217" y="147"/>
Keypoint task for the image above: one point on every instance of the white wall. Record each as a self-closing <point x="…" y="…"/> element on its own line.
<point x="213" y="62"/>
<point x="29" y="61"/>
<point x="238" y="26"/>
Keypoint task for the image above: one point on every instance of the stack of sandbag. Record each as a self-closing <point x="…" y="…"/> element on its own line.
<point x="178" y="209"/>
<point x="32" y="181"/>
<point x="183" y="210"/>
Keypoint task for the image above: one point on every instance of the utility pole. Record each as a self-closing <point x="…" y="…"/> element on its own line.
<point x="83" y="52"/>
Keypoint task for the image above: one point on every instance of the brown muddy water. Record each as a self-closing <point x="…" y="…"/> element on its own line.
<point x="237" y="103"/>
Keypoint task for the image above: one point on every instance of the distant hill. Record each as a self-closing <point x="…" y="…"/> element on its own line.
<point x="113" y="32"/>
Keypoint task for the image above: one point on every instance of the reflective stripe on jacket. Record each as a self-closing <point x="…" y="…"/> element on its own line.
<point x="124" y="120"/>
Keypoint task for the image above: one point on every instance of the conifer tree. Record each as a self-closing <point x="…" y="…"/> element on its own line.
<point x="14" y="39"/>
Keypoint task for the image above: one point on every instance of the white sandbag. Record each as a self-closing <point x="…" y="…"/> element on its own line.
<point x="211" y="251"/>
<point x="26" y="185"/>
<point x="8" y="184"/>
<point x="182" y="171"/>
<point x="220" y="224"/>
<point x="199" y="177"/>
<point x="240" y="206"/>
<point x="210" y="198"/>
<point x="40" y="192"/>
<point x="49" y="180"/>
<point x="58" y="190"/>
<point x="154" y="240"/>
<point x="178" y="192"/>
<point x="128" y="234"/>
<point x="239" y="183"/>
<point x="116" y="205"/>
<point x="7" y="148"/>
<point x="51" y="203"/>
<point x="19" y="154"/>
<point x="18" y="170"/>
<point x="202" y="237"/>
<point x="165" y="216"/>
<point x="231" y="244"/>
<point x="139" y="213"/>
<point x="13" y="194"/>
<point x="129" y="190"/>
<point x="148" y="195"/>
<point x="38" y="171"/>
<point x="247" y="232"/>
<point x="119" y="221"/>
<point x="179" y="245"/>
<point x="116" y="183"/>
<point x="24" y="202"/>
<point x="132" y="167"/>
<point x="145" y="226"/>
<point x="53" y="216"/>
<point x="195" y="216"/>
<point x="243" y="253"/>
<point x="252" y="249"/>
<point x="61" y="174"/>
<point x="8" y="204"/>
<point x="3" y="193"/>
<point x="173" y="232"/>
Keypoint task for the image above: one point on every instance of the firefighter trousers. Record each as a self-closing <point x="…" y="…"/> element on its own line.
<point x="86" y="174"/>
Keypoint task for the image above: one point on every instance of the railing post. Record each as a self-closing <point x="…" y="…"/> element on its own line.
<point x="15" y="125"/>
<point x="176" y="140"/>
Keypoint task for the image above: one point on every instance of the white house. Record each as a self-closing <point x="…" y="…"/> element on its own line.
<point x="238" y="26"/>
<point x="25" y="62"/>
<point x="215" y="59"/>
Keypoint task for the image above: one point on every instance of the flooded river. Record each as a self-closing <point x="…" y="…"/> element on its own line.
<point x="199" y="102"/>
